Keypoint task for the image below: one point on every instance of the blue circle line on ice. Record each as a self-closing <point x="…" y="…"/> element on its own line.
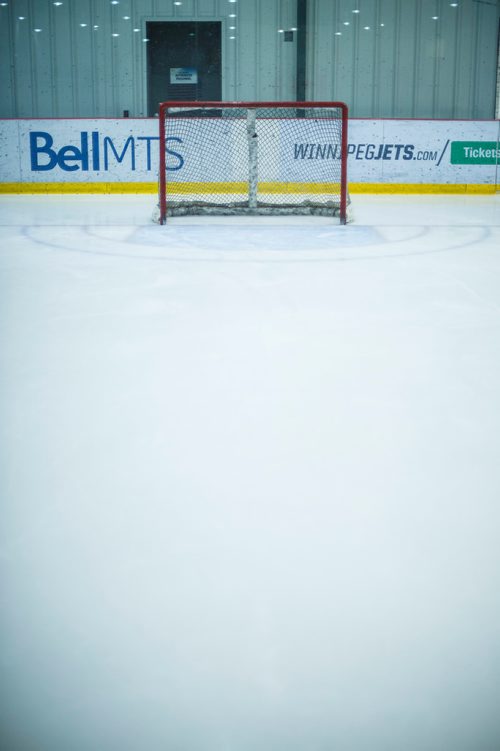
<point x="243" y="244"/>
<point x="152" y="243"/>
<point x="273" y="238"/>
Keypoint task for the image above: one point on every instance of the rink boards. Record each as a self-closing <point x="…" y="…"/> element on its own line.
<point x="104" y="155"/>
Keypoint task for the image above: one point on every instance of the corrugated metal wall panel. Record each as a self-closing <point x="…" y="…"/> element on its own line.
<point x="485" y="29"/>
<point x="268" y="23"/>
<point x="63" y="92"/>
<point x="464" y="51"/>
<point x="206" y="8"/>
<point x="247" y="54"/>
<point x="497" y="107"/>
<point x="186" y="10"/>
<point x="40" y="54"/>
<point x="7" y="60"/>
<point x="22" y="59"/>
<point x="405" y="64"/>
<point x="405" y="58"/>
<point x="83" y="54"/>
<point x="162" y="9"/>
<point x="406" y="45"/>
<point x="364" y="58"/>
<point x="287" y="51"/>
<point x="103" y="61"/>
<point x="386" y="55"/>
<point x="231" y="48"/>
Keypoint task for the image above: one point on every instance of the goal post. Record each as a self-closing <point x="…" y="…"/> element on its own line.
<point x="253" y="158"/>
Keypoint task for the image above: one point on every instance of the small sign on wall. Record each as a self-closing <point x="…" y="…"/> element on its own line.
<point x="183" y="75"/>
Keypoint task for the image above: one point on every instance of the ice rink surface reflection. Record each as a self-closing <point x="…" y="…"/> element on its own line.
<point x="250" y="478"/>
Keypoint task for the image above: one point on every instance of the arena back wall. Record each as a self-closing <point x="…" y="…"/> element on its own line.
<point x="120" y="156"/>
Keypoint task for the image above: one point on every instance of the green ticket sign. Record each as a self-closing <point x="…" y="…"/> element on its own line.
<point x="475" y="152"/>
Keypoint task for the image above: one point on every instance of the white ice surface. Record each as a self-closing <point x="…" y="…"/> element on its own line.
<point x="250" y="478"/>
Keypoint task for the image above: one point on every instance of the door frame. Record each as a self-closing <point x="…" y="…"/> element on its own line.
<point x="228" y="53"/>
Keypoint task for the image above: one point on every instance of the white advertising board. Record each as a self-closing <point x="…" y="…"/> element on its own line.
<point x="124" y="153"/>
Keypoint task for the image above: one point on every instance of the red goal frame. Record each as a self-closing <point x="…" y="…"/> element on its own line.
<point x="253" y="105"/>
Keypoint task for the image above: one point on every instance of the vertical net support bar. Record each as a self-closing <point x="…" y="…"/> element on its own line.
<point x="343" y="165"/>
<point x="252" y="159"/>
<point x="162" y="167"/>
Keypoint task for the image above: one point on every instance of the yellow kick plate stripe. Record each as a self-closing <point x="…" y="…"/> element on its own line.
<point x="237" y="187"/>
<point x="82" y="187"/>
<point x="415" y="188"/>
<point x="242" y="187"/>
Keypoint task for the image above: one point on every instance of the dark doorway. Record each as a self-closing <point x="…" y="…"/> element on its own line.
<point x="184" y="62"/>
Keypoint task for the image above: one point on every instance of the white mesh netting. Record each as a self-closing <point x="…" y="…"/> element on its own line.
<point x="252" y="160"/>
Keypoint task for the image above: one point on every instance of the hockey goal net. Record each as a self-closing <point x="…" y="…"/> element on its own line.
<point x="253" y="158"/>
